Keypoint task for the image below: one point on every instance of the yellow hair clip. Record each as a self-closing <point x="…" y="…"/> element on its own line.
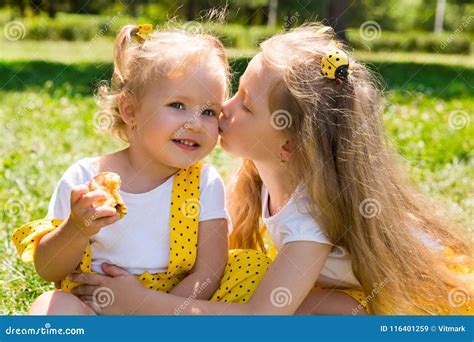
<point x="143" y="33"/>
<point x="335" y="65"/>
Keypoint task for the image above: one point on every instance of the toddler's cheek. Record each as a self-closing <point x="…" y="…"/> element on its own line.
<point x="211" y="136"/>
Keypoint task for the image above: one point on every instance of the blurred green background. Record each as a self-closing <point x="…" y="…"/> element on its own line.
<point x="52" y="55"/>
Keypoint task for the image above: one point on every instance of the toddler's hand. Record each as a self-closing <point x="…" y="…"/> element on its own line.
<point x="87" y="217"/>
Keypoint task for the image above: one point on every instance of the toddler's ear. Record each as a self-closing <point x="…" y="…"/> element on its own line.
<point x="127" y="107"/>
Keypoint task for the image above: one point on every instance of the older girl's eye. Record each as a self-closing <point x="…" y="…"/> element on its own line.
<point x="245" y="108"/>
<point x="208" y="112"/>
<point x="176" y="105"/>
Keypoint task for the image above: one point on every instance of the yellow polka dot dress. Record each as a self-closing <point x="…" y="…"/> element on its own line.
<point x="243" y="273"/>
<point x="183" y="235"/>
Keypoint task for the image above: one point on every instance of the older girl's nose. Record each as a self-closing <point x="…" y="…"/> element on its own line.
<point x="227" y="109"/>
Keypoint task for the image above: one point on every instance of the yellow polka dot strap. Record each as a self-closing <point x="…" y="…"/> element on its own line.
<point x="184" y="214"/>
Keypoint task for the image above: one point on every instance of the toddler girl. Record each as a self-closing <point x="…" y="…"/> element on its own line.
<point x="166" y="93"/>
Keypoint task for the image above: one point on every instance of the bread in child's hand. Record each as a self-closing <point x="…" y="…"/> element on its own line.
<point x="109" y="182"/>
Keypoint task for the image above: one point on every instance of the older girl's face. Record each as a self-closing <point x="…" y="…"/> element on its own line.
<point x="245" y="125"/>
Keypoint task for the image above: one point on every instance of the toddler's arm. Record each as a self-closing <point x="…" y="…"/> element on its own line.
<point x="59" y="252"/>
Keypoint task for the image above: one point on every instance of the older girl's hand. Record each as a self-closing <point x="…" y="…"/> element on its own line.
<point x="116" y="293"/>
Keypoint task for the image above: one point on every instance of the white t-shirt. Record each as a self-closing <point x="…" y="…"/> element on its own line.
<point x="139" y="241"/>
<point x="294" y="223"/>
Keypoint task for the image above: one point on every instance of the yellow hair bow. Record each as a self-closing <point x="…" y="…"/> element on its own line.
<point x="143" y="33"/>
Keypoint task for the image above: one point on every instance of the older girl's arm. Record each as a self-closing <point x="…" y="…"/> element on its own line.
<point x="294" y="272"/>
<point x="204" y="278"/>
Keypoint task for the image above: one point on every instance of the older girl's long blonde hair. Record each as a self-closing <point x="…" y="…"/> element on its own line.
<point x="358" y="193"/>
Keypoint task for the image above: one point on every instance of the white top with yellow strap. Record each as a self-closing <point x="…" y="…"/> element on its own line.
<point x="187" y="209"/>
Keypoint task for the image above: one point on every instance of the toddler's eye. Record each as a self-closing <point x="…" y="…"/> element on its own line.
<point x="208" y="112"/>
<point x="176" y="105"/>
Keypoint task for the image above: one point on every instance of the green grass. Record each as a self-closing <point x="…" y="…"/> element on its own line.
<point x="46" y="123"/>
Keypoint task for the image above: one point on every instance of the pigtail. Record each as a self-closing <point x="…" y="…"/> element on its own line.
<point x="121" y="45"/>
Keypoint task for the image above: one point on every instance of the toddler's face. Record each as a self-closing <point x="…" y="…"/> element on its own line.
<point x="177" y="118"/>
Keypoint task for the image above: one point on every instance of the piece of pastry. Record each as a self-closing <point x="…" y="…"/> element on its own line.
<point x="110" y="183"/>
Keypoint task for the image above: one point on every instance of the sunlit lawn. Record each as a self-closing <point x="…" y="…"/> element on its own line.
<point x="46" y="123"/>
